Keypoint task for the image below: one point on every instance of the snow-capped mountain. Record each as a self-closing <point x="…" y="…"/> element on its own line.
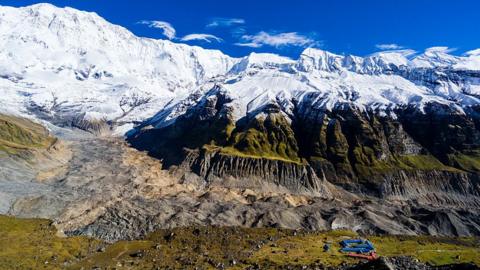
<point x="65" y="60"/>
<point x="65" y="63"/>
<point x="381" y="81"/>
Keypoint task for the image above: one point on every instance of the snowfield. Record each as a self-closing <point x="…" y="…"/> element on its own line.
<point x="62" y="61"/>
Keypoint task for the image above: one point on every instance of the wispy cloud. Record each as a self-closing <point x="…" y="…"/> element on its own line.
<point x="249" y="44"/>
<point x="440" y="49"/>
<point x="276" y="40"/>
<point x="238" y="31"/>
<point x="224" y="22"/>
<point x="202" y="37"/>
<point x="391" y="46"/>
<point x="167" y="28"/>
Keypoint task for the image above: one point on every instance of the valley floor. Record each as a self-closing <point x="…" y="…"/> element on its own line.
<point x="35" y="244"/>
<point x="106" y="189"/>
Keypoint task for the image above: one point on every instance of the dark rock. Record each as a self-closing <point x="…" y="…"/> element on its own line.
<point x="137" y="254"/>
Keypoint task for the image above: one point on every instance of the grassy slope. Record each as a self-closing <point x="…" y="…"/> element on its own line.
<point x="265" y="137"/>
<point x="29" y="243"/>
<point x="33" y="244"/>
<point x="308" y="248"/>
<point x="469" y="163"/>
<point x="19" y="134"/>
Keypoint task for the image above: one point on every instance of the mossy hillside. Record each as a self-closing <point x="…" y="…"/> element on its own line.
<point x="338" y="149"/>
<point x="469" y="163"/>
<point x="355" y="145"/>
<point x="424" y="162"/>
<point x="396" y="163"/>
<point x="18" y="134"/>
<point x="312" y="135"/>
<point x="370" y="145"/>
<point x="33" y="244"/>
<point x="192" y="132"/>
<point x="267" y="137"/>
<point x="231" y="151"/>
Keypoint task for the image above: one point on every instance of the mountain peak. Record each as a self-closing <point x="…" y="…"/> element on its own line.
<point x="436" y="57"/>
<point x="312" y="58"/>
<point x="43" y="6"/>
<point x="260" y="61"/>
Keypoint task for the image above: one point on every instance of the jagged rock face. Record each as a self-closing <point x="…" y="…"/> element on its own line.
<point x="248" y="172"/>
<point x="442" y="131"/>
<point x="199" y="126"/>
<point x="370" y="149"/>
<point x="403" y="154"/>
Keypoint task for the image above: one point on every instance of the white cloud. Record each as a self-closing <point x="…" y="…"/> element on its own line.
<point x="440" y="49"/>
<point x="249" y="44"/>
<point x="225" y="22"/>
<point x="203" y="37"/>
<point x="169" y="32"/>
<point x="167" y="28"/>
<point x="391" y="46"/>
<point x="276" y="40"/>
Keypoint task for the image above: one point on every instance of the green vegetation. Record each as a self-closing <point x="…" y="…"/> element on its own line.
<point x="308" y="248"/>
<point x="232" y="151"/>
<point x="34" y="244"/>
<point x="272" y="137"/>
<point x="423" y="162"/>
<point x="180" y="248"/>
<point x="304" y="249"/>
<point x="269" y="137"/>
<point x="433" y="250"/>
<point x="403" y="162"/>
<point x="18" y="134"/>
<point x="469" y="163"/>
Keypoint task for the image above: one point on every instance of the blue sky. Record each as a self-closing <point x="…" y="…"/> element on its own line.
<point x="237" y="28"/>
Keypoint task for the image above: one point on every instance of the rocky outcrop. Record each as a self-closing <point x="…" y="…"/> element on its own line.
<point x="62" y="117"/>
<point x="95" y="126"/>
<point x="253" y="172"/>
<point x="432" y="187"/>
